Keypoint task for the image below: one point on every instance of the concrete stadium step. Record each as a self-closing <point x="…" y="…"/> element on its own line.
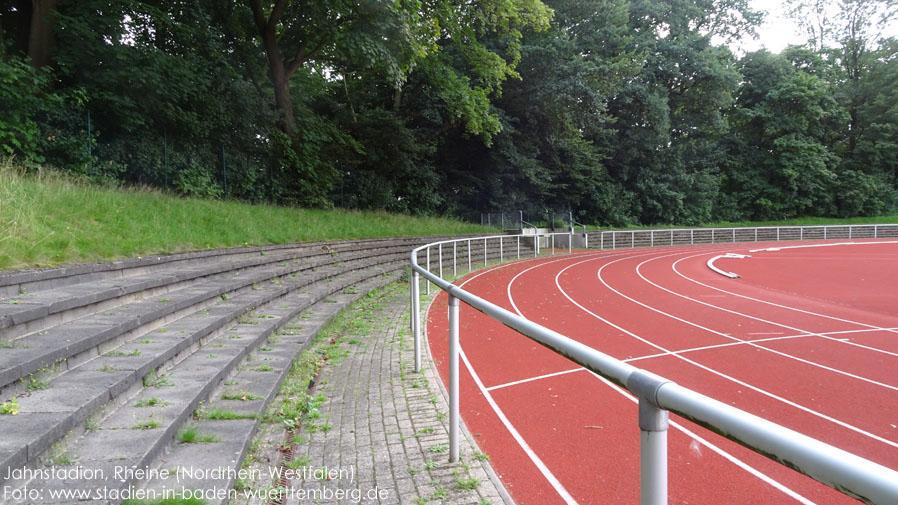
<point x="212" y="468"/>
<point x="29" y="312"/>
<point x="28" y="281"/>
<point x="77" y="391"/>
<point x="131" y="436"/>
<point x="69" y="341"/>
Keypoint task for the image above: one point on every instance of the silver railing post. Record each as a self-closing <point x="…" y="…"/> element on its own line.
<point x="501" y="251"/>
<point x="453" y="379"/>
<point x="570" y="243"/>
<point x="484" y="253"/>
<point x="653" y="425"/>
<point x="454" y="260"/>
<point x="519" y="247"/>
<point x="553" y="244"/>
<point x="632" y="240"/>
<point x="712" y="235"/>
<point x="440" y="257"/>
<point x="601" y="240"/>
<point x="469" y="255"/>
<point x="416" y="318"/>
<point x="427" y="283"/>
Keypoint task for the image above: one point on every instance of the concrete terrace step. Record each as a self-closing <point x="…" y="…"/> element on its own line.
<point x="20" y="314"/>
<point x="94" y="343"/>
<point x="201" y="465"/>
<point x="16" y="282"/>
<point x="70" y="391"/>
<point x="116" y="441"/>
<point x="46" y="348"/>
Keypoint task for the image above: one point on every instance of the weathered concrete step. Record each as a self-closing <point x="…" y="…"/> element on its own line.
<point x="132" y="436"/>
<point x="51" y="347"/>
<point x="32" y="280"/>
<point x="211" y="468"/>
<point x="78" y="393"/>
<point x="20" y="314"/>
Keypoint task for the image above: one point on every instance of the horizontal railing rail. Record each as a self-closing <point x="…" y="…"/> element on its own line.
<point x="623" y="239"/>
<point x="848" y="473"/>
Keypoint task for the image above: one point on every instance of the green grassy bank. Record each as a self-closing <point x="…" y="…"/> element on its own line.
<point x="48" y="219"/>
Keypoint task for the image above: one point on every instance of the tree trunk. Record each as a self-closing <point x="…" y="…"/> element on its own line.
<point x="281" y="81"/>
<point x="42" y="36"/>
<point x="277" y="68"/>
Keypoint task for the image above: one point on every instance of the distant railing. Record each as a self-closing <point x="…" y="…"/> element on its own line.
<point x="622" y="239"/>
<point x="505" y="221"/>
<point x="850" y="474"/>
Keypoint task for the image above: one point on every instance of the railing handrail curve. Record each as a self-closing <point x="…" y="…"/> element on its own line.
<point x="848" y="473"/>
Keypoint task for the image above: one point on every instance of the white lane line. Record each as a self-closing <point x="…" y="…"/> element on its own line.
<point x="773" y="339"/>
<point x="716" y="372"/>
<point x="534" y="458"/>
<point x="543" y="469"/>
<point x="781" y="325"/>
<point x="708" y="347"/>
<point x="787" y="307"/>
<point x="741" y="464"/>
<point x="536" y="378"/>
<point x="729" y="457"/>
<point x="725" y="335"/>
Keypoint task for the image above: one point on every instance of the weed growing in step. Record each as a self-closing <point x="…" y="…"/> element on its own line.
<point x="151" y="402"/>
<point x="9" y="408"/>
<point x="192" y="435"/>
<point x="241" y="395"/>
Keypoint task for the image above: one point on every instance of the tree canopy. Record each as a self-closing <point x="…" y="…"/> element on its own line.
<point x="625" y="111"/>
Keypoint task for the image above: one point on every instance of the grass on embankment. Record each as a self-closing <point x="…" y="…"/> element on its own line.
<point x="49" y="219"/>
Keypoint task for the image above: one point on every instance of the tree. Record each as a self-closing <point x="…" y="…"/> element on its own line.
<point x="670" y="117"/>
<point x="781" y="163"/>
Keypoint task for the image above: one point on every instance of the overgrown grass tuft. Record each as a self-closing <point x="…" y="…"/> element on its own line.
<point x="49" y="218"/>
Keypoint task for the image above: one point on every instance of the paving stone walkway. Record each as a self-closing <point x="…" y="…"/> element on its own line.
<point x="382" y="435"/>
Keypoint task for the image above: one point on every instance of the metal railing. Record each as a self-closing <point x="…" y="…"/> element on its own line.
<point x="850" y="474"/>
<point x="506" y="221"/>
<point x="622" y="239"/>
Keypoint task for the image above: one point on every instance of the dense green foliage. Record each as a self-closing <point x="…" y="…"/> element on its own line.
<point x="626" y="111"/>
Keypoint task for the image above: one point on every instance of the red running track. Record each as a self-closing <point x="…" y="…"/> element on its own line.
<point x="807" y="337"/>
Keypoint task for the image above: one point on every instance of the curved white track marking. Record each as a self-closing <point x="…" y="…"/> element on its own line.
<point x="543" y="469"/>
<point x="729" y="457"/>
<point x="736" y="339"/>
<point x="816" y="334"/>
<point x="834" y="318"/>
<point x="553" y="481"/>
<point x="716" y="372"/>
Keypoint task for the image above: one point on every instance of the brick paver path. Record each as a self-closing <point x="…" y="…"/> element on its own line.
<point x="382" y="433"/>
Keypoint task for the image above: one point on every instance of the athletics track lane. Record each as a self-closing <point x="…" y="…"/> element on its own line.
<point x="580" y="444"/>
